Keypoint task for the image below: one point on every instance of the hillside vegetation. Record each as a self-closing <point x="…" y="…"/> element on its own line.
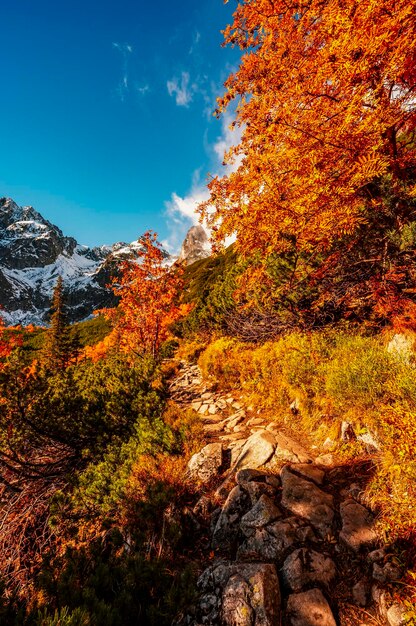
<point x="310" y="315"/>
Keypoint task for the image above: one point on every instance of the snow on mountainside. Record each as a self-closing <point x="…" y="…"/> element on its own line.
<point x="34" y="252"/>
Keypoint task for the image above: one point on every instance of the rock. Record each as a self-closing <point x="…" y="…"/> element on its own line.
<point x="228" y="524"/>
<point x="377" y="555"/>
<point x="212" y="410"/>
<point x="239" y="594"/>
<point x="325" y="459"/>
<point x="360" y="593"/>
<point x="196" y="405"/>
<point x="255" y="421"/>
<point x="262" y="513"/>
<point x="305" y="499"/>
<point x="402" y="347"/>
<point x="371" y="443"/>
<point x="202" y="507"/>
<point x="396" y="616"/>
<point x="236" y="610"/>
<point x="357" y="525"/>
<point x="309" y="471"/>
<point x="295" y="406"/>
<point x="287" y="449"/>
<point x="273" y="480"/>
<point x="257" y="450"/>
<point x="347" y="432"/>
<point x="246" y="475"/>
<point x="204" y="465"/>
<point x="379" y="596"/>
<point x="255" y="490"/>
<point x="207" y="395"/>
<point x="234" y="421"/>
<point x="203" y="409"/>
<point x="305" y="566"/>
<point x="271" y="542"/>
<point x="252" y="597"/>
<point x="309" y="608"/>
<point x="195" y="246"/>
<point x="386" y="573"/>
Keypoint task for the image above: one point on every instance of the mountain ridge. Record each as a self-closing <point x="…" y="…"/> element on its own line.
<point x="34" y="252"/>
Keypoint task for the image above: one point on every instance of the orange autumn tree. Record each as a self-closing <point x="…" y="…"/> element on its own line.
<point x="149" y="290"/>
<point x="326" y="103"/>
<point x="9" y="340"/>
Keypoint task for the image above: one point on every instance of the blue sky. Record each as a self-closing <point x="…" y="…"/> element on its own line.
<point x="106" y="111"/>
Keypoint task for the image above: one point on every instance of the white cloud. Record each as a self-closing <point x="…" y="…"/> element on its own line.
<point x="181" y="211"/>
<point x="181" y="89"/>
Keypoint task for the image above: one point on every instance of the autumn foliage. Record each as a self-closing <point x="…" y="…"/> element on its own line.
<point x="325" y="100"/>
<point x="149" y="292"/>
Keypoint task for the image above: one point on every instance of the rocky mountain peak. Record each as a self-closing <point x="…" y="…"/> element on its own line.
<point x="34" y="252"/>
<point x="196" y="245"/>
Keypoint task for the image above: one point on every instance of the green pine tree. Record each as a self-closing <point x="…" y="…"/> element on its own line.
<point x="58" y="348"/>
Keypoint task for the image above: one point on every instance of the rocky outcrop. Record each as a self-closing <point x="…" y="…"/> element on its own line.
<point x="34" y="252"/>
<point x="292" y="543"/>
<point x="196" y="245"/>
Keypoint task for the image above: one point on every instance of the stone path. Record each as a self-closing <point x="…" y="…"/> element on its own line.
<point x="292" y="543"/>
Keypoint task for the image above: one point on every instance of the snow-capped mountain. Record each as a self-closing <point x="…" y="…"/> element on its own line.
<point x="34" y="252"/>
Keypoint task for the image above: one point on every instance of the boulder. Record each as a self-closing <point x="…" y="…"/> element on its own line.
<point x="307" y="470"/>
<point x="357" y="525"/>
<point x="304" y="567"/>
<point x="263" y="513"/>
<point x="227" y="527"/>
<point x="257" y="450"/>
<point x="239" y="594"/>
<point x="252" y="597"/>
<point x="287" y="449"/>
<point x="271" y="542"/>
<point x="309" y="608"/>
<point x="303" y="498"/>
<point x="204" y="465"/>
<point x="396" y="616"/>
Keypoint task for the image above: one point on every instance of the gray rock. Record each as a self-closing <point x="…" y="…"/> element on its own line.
<point x="370" y="442"/>
<point x="287" y="449"/>
<point x="257" y="450"/>
<point x="309" y="608"/>
<point x="379" y="597"/>
<point x="396" y="616"/>
<point x="361" y="592"/>
<point x="307" y="470"/>
<point x="402" y="347"/>
<point x="228" y="524"/>
<point x="271" y="542"/>
<point x="304" y="567"/>
<point x="263" y="513"/>
<point x="386" y="573"/>
<point x="204" y="465"/>
<point x="255" y="490"/>
<point x="377" y="555"/>
<point x="274" y="481"/>
<point x="252" y="597"/>
<point x="196" y="245"/>
<point x="236" y="609"/>
<point x="306" y="500"/>
<point x="357" y="525"/>
<point x="239" y="594"/>
<point x="325" y="459"/>
<point x="247" y="475"/>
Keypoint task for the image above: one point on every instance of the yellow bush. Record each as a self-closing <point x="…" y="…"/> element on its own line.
<point x="335" y="376"/>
